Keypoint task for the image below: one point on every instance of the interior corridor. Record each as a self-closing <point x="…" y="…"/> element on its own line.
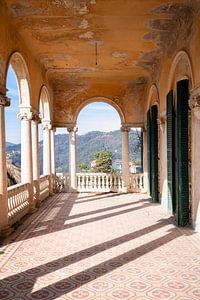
<point x="100" y="247"/>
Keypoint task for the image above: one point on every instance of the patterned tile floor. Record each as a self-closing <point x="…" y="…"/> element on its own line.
<point x="100" y="247"/>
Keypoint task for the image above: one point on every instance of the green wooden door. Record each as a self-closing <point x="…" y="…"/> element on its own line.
<point x="171" y="184"/>
<point x="154" y="154"/>
<point x="182" y="178"/>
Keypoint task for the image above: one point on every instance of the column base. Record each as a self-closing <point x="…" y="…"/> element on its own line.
<point x="6" y="231"/>
<point x="72" y="190"/>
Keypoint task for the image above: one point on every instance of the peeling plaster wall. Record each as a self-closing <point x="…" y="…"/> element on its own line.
<point x="11" y="42"/>
<point x="189" y="41"/>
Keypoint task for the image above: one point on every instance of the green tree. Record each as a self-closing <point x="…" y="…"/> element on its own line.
<point x="83" y="167"/>
<point x="103" y="162"/>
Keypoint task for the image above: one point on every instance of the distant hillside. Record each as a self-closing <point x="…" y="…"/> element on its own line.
<point x="87" y="145"/>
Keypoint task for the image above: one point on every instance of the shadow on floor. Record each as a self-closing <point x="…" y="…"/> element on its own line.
<point x="59" y="208"/>
<point x="24" y="282"/>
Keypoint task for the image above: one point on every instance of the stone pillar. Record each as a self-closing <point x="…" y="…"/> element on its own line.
<point x="145" y="166"/>
<point x="195" y="161"/>
<point x="26" y="116"/>
<point x="53" y="163"/>
<point x="4" y="226"/>
<point x="125" y="158"/>
<point x="72" y="158"/>
<point x="46" y="125"/>
<point x="36" y="161"/>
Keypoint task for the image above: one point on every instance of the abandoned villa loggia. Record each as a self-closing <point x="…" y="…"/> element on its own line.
<point x="140" y="57"/>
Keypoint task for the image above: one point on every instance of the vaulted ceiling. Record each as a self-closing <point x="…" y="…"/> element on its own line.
<point x="96" y="47"/>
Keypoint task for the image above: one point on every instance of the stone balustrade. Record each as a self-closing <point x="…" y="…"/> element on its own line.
<point x="62" y="182"/>
<point x="18" y="202"/>
<point x="44" y="187"/>
<point x="138" y="183"/>
<point x="101" y="182"/>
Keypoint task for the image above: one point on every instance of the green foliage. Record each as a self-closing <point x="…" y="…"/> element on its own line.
<point x="103" y="162"/>
<point x="83" y="167"/>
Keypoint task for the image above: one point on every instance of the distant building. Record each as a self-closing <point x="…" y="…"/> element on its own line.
<point x="117" y="165"/>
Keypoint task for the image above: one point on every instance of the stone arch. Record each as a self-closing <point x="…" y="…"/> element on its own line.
<point x="153" y="97"/>
<point x="181" y="68"/>
<point x="20" y="68"/>
<point x="44" y="100"/>
<point x="99" y="99"/>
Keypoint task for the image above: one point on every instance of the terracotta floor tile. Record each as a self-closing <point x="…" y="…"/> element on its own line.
<point x="100" y="247"/>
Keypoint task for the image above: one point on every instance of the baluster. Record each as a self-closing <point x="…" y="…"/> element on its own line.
<point x="79" y="182"/>
<point x="99" y="183"/>
<point x="107" y="182"/>
<point x="87" y="180"/>
<point x="95" y="182"/>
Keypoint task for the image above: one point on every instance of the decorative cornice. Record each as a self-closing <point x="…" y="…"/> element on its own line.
<point x="4" y="101"/>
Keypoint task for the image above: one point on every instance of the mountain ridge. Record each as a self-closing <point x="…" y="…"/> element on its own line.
<point x="87" y="145"/>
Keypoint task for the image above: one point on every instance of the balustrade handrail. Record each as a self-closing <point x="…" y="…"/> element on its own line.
<point x="18" y="201"/>
<point x="101" y="182"/>
<point x="16" y="186"/>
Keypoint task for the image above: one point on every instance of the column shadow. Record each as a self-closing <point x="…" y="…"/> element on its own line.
<point x="24" y="281"/>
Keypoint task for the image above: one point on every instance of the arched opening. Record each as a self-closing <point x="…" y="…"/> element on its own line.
<point x="44" y="114"/>
<point x="18" y="89"/>
<point x="179" y="138"/>
<point x="13" y="130"/>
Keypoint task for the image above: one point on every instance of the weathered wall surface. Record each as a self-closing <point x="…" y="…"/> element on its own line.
<point x="10" y="43"/>
<point x="181" y="60"/>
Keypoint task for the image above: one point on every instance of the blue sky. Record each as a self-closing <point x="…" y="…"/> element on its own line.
<point x="96" y="116"/>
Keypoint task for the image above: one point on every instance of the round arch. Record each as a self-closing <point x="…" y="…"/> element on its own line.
<point x="99" y="99"/>
<point x="44" y="99"/>
<point x="181" y="68"/>
<point x="18" y="63"/>
<point x="153" y="97"/>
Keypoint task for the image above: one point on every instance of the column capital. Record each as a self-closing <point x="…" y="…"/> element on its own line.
<point x="194" y="102"/>
<point x="36" y="117"/>
<point x="125" y="128"/>
<point x="46" y="125"/>
<point x="72" y="129"/>
<point x="25" y="115"/>
<point x="4" y="101"/>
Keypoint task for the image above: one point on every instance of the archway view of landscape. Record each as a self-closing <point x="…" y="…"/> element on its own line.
<point x="13" y="131"/>
<point x="98" y="133"/>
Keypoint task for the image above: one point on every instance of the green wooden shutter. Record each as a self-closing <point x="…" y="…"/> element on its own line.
<point x="182" y="180"/>
<point x="149" y="149"/>
<point x="170" y="154"/>
<point x="154" y="153"/>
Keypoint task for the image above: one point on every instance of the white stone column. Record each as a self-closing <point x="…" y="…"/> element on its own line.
<point x="72" y="158"/>
<point x="125" y="158"/>
<point x="53" y="162"/>
<point x="26" y="116"/>
<point x="46" y="125"/>
<point x="36" y="161"/>
<point x="4" y="226"/>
